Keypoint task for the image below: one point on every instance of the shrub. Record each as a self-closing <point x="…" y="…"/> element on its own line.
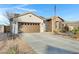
<point x="75" y="31"/>
<point x="13" y="50"/>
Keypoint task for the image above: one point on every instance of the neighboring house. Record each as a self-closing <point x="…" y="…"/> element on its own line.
<point x="73" y="25"/>
<point x="1" y="28"/>
<point x="2" y="24"/>
<point x="28" y="22"/>
<point x="55" y="24"/>
<point x="6" y="29"/>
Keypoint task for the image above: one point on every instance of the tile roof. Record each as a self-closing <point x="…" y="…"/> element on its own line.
<point x="55" y="17"/>
<point x="18" y="15"/>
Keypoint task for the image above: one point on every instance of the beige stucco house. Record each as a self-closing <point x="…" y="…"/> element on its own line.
<point x="73" y="25"/>
<point x="28" y="22"/>
<point x="55" y="23"/>
<point x="1" y="28"/>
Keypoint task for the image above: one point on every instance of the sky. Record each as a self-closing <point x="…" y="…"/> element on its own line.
<point x="69" y="12"/>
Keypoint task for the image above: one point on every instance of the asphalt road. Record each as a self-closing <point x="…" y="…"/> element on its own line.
<point x="47" y="43"/>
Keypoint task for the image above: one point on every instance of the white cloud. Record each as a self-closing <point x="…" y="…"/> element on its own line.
<point x="27" y="9"/>
<point x="18" y="7"/>
<point x="22" y="5"/>
<point x="4" y="20"/>
<point x="14" y="7"/>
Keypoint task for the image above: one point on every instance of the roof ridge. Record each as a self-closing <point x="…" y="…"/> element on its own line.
<point x="41" y="17"/>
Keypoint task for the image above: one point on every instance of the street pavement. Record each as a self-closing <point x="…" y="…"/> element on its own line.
<point x="48" y="43"/>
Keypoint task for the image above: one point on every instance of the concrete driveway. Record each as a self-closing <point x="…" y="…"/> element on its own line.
<point x="47" y="43"/>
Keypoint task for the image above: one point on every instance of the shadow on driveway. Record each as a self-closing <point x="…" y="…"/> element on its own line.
<point x="54" y="50"/>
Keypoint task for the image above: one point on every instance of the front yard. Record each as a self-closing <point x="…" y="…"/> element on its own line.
<point x="17" y="46"/>
<point x="32" y="43"/>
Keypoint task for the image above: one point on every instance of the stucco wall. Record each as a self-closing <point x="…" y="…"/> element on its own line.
<point x="1" y="29"/>
<point x="54" y="24"/>
<point x="15" y="27"/>
<point x="28" y="18"/>
<point x="56" y="21"/>
<point x="49" y="26"/>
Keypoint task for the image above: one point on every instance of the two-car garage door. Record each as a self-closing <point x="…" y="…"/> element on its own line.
<point x="29" y="27"/>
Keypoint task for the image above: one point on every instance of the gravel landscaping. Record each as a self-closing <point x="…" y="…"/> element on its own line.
<point x="16" y="46"/>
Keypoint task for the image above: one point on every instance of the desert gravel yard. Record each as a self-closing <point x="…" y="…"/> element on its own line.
<point x="48" y="43"/>
<point x="16" y="46"/>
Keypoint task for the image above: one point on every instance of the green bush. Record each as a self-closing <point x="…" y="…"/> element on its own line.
<point x="75" y="31"/>
<point x="13" y="50"/>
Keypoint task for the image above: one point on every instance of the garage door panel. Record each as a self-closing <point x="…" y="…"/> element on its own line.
<point x="29" y="27"/>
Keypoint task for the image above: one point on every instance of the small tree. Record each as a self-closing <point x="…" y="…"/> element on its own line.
<point x="9" y="15"/>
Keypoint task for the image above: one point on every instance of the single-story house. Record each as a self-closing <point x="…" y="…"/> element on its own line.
<point x="73" y="25"/>
<point x="4" y="28"/>
<point x="55" y="23"/>
<point x="1" y="28"/>
<point x="3" y="24"/>
<point x="28" y="22"/>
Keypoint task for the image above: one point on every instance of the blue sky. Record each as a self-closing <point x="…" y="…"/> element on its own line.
<point x="69" y="12"/>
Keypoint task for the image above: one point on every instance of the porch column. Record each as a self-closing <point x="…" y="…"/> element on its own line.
<point x="42" y="27"/>
<point x="14" y="27"/>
